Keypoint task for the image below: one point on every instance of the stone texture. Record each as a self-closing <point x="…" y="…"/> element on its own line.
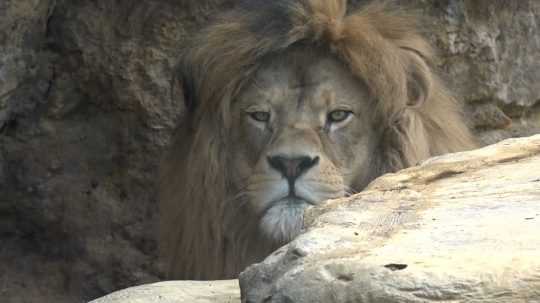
<point x="490" y="58"/>
<point x="460" y="227"/>
<point x="226" y="291"/>
<point x="88" y="102"/>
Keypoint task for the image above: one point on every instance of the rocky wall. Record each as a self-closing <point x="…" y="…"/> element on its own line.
<point x="88" y="102"/>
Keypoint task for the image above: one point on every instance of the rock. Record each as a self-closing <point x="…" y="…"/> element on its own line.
<point x="489" y="55"/>
<point x="460" y="227"/>
<point x="88" y="103"/>
<point x="225" y="291"/>
<point x="85" y="111"/>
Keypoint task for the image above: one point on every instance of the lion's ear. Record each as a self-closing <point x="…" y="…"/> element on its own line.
<point x="419" y="78"/>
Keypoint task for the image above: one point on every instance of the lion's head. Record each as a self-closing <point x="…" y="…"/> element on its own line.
<point x="302" y="133"/>
<point x="293" y="103"/>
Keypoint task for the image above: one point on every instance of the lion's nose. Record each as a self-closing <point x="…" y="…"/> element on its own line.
<point x="292" y="168"/>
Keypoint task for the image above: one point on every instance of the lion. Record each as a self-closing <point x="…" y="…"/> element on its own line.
<point x="290" y="104"/>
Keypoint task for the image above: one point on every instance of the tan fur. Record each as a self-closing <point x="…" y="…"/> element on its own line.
<point x="381" y="47"/>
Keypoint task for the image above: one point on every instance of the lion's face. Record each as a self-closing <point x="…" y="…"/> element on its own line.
<point x="303" y="133"/>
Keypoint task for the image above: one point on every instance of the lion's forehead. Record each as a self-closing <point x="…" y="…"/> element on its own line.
<point x="291" y="82"/>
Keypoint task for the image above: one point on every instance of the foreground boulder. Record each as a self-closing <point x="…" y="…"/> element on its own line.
<point x="178" y="292"/>
<point x="462" y="227"/>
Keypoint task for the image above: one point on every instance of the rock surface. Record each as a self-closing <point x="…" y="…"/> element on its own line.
<point x="88" y="102"/>
<point x="460" y="227"/>
<point x="490" y="58"/>
<point x="226" y="291"/>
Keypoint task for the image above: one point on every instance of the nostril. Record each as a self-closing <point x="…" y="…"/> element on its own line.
<point x="292" y="168"/>
<point x="277" y="163"/>
<point x="307" y="163"/>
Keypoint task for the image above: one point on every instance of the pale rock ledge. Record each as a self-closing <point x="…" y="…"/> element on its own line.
<point x="225" y="291"/>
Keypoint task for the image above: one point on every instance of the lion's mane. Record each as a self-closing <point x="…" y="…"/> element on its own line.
<point x="202" y="236"/>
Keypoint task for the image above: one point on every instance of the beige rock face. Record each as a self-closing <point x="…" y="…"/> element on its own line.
<point x="459" y="228"/>
<point x="226" y="291"/>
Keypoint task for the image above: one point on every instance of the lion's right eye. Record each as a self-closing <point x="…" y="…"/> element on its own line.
<point x="339" y="116"/>
<point x="260" y="116"/>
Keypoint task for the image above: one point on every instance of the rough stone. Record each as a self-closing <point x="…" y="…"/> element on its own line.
<point x="86" y="106"/>
<point x="489" y="55"/>
<point x="460" y="227"/>
<point x="88" y="102"/>
<point x="226" y="291"/>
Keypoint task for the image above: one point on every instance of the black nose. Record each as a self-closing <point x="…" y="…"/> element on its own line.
<point x="292" y="168"/>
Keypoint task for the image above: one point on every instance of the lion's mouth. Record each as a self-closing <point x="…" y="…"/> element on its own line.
<point x="293" y="200"/>
<point x="289" y="201"/>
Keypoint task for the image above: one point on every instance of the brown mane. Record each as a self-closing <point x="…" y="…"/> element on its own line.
<point x="202" y="236"/>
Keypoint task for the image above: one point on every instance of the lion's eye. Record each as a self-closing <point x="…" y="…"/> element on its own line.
<point x="260" y="116"/>
<point x="338" y="116"/>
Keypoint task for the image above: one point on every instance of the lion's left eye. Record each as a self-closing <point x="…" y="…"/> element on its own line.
<point x="260" y="116"/>
<point x="338" y="116"/>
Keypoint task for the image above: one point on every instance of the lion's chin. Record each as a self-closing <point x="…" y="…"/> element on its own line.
<point x="283" y="221"/>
